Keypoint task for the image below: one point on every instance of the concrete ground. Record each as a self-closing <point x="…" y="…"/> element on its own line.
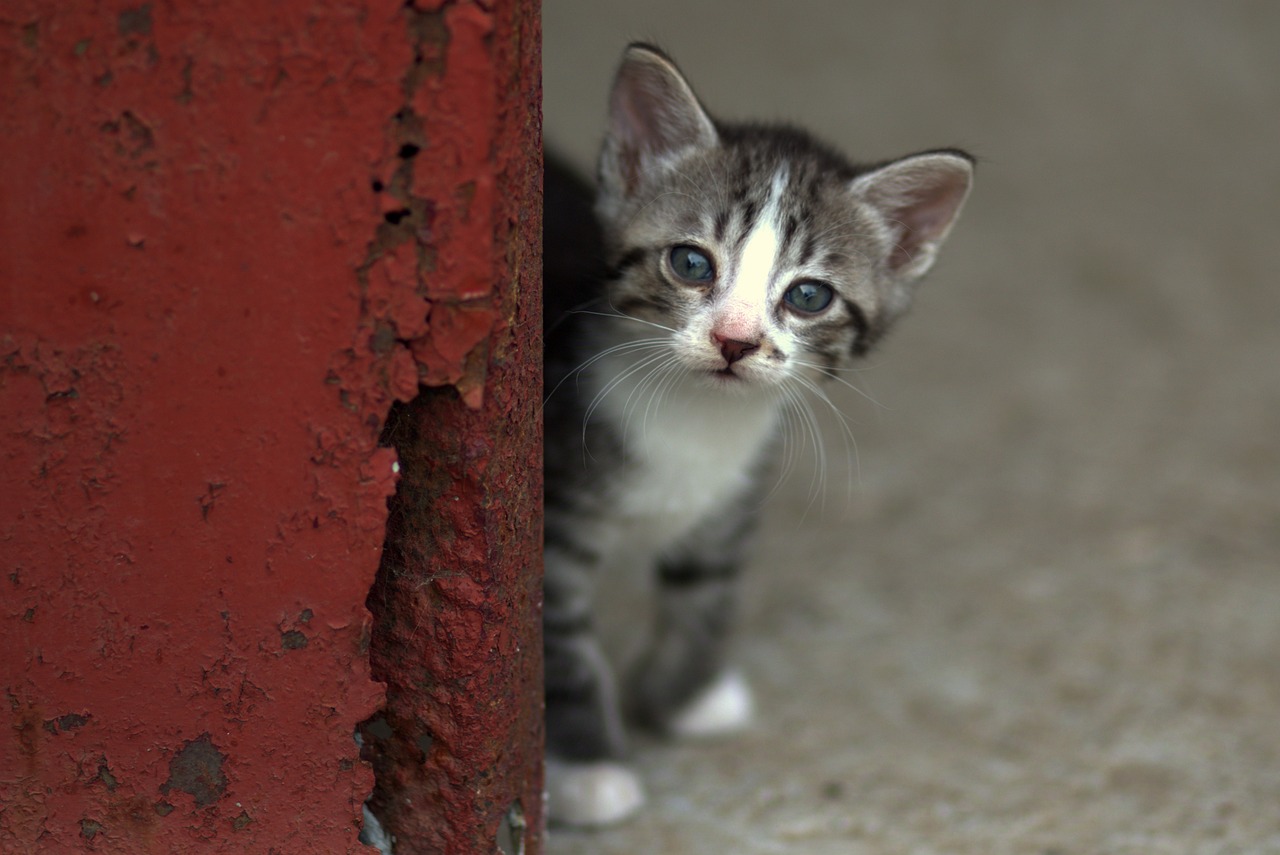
<point x="1048" y="618"/>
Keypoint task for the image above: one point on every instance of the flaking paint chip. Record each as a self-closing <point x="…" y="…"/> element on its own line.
<point x="197" y="770"/>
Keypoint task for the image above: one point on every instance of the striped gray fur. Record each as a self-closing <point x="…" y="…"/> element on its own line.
<point x="728" y="270"/>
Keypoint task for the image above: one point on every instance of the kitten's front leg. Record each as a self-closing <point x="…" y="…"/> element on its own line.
<point x="587" y="784"/>
<point x="682" y="685"/>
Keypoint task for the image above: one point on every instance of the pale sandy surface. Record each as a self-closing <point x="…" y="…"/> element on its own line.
<point x="1048" y="620"/>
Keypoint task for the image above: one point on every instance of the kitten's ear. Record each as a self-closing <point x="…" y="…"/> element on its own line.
<point x="919" y="198"/>
<point x="653" y="116"/>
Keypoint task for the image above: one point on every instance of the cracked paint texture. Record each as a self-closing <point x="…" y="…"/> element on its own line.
<point x="456" y="637"/>
<point x="203" y="323"/>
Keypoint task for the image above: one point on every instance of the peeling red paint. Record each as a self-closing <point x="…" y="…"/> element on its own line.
<point x="457" y="637"/>
<point x="205" y="313"/>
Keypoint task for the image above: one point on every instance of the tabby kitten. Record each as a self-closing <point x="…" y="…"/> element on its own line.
<point x="729" y="270"/>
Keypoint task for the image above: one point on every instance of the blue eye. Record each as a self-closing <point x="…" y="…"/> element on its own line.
<point x="692" y="265"/>
<point x="809" y="297"/>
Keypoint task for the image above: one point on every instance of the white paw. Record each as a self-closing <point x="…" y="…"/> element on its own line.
<point x="592" y="794"/>
<point x="724" y="707"/>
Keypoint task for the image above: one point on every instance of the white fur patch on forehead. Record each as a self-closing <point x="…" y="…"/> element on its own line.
<point x="755" y="265"/>
<point x="746" y="301"/>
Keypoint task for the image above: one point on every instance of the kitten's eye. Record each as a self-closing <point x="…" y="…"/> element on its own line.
<point x="692" y="265"/>
<point x="809" y="297"/>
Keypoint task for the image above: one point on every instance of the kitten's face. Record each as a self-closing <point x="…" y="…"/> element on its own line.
<point x="760" y="268"/>
<point x="761" y="254"/>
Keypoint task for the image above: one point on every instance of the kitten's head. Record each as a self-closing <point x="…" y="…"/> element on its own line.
<point x="764" y="253"/>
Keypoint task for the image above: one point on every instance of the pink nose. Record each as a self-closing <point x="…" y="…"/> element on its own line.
<point x="732" y="349"/>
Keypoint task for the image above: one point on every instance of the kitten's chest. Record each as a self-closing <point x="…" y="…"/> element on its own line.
<point x="689" y="455"/>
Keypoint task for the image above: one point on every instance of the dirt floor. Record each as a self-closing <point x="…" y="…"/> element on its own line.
<point x="1047" y="618"/>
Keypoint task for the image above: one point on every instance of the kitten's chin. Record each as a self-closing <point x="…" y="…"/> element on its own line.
<point x="733" y="382"/>
<point x="736" y="379"/>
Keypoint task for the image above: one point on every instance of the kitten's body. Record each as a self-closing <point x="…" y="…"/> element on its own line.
<point x="728" y="270"/>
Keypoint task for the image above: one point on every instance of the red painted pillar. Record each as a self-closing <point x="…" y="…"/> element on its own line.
<point x="231" y="235"/>
<point x="457" y="637"/>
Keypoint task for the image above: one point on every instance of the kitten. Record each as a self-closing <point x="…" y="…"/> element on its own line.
<point x="729" y="270"/>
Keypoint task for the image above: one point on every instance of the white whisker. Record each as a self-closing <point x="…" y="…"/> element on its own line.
<point x="640" y="344"/>
<point x="652" y="380"/>
<point x="613" y="383"/>
<point x="846" y="433"/>
<point x="667" y="381"/>
<point x="817" y="481"/>
<point x="625" y="317"/>
<point x="791" y="447"/>
<point x="828" y="373"/>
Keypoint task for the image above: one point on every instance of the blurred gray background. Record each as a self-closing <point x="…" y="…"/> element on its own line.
<point x="1047" y="620"/>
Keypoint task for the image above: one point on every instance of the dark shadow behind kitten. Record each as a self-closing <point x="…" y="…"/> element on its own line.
<point x="694" y="303"/>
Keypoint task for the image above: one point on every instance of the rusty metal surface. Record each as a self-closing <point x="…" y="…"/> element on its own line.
<point x="203" y="324"/>
<point x="457" y="638"/>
